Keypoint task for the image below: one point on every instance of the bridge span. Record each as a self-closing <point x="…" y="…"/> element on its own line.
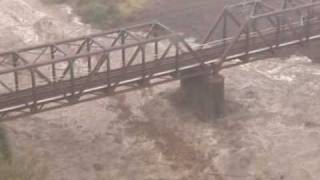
<point x="43" y="77"/>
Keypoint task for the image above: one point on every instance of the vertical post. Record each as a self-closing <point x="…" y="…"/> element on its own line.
<point x="312" y="10"/>
<point x="143" y="59"/>
<point x="285" y="4"/>
<point x="225" y="30"/>
<point x="108" y="70"/>
<point x="16" y="73"/>
<point x="177" y="58"/>
<point x="123" y="50"/>
<point x="307" y="25"/>
<point x="34" y="106"/>
<point x="247" y="48"/>
<point x="89" y="57"/>
<point x="71" y="64"/>
<point x="279" y="24"/>
<point x="156" y="43"/>
<point x="53" y="66"/>
<point x="156" y="50"/>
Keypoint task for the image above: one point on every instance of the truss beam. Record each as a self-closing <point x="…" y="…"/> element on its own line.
<point x="43" y="77"/>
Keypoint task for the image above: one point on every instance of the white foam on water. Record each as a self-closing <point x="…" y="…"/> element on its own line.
<point x="75" y="19"/>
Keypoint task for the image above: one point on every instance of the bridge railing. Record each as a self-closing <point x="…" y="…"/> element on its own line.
<point x="52" y="62"/>
<point x="260" y="27"/>
<point x="67" y="70"/>
<point x="148" y="54"/>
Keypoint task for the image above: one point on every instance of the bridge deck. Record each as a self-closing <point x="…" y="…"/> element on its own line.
<point x="141" y="68"/>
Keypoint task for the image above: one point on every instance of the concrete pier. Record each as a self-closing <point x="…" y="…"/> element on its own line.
<point x="311" y="51"/>
<point x="205" y="93"/>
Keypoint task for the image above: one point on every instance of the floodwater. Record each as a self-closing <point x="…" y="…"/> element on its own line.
<point x="271" y="129"/>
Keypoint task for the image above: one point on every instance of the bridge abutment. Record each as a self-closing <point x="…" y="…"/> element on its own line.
<point x="205" y="94"/>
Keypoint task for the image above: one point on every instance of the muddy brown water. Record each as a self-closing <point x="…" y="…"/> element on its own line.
<point x="193" y="18"/>
<point x="273" y="123"/>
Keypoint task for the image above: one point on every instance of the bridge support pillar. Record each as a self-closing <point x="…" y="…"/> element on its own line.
<point x="311" y="51"/>
<point x="205" y="93"/>
<point x="34" y="109"/>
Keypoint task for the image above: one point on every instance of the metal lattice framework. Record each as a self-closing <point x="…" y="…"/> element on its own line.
<point x="44" y="77"/>
<point x="255" y="26"/>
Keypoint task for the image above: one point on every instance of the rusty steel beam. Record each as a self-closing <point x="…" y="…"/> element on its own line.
<point x="49" y="76"/>
<point x="134" y="28"/>
<point x="248" y="26"/>
<point x="77" y="56"/>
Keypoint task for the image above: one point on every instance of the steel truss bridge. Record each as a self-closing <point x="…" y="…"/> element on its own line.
<point x="53" y="75"/>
